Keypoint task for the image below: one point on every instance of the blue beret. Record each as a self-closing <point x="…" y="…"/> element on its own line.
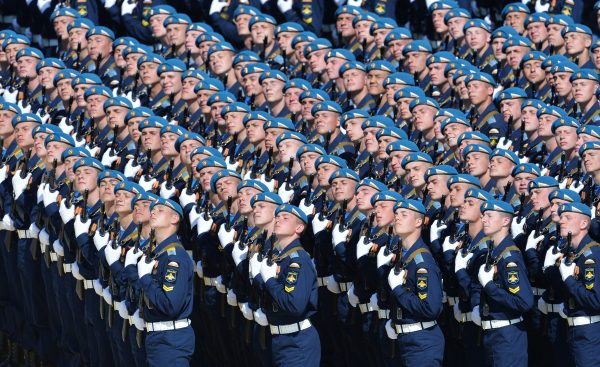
<point x="289" y="27"/>
<point x="64" y="11"/>
<point x="394" y="132"/>
<point x="565" y="121"/>
<point x="219" y="47"/>
<point x="211" y="162"/>
<point x="64" y="74"/>
<point x="440" y="57"/>
<point x="477" y="23"/>
<point x="401" y="146"/>
<point x="578" y="208"/>
<point x="576" y="28"/>
<point x="129" y="186"/>
<point x="256" y="116"/>
<point x="530" y="168"/>
<point x="135" y="49"/>
<point x="383" y="23"/>
<point x="381" y="65"/>
<point x="424" y="101"/>
<point x="442" y="5"/>
<point x="396" y="34"/>
<point x="88" y="162"/>
<point x="245" y="9"/>
<point x="254" y="184"/>
<point x="551" y="110"/>
<point x="536" y="18"/>
<point x="508" y="154"/>
<point x="559" y="19"/>
<point x="364" y="16"/>
<point x="45" y="129"/>
<point x="100" y="31"/>
<point x="378" y="122"/>
<point x="451" y="112"/>
<point x="317" y="94"/>
<point x="372" y="183"/>
<point x="473" y="135"/>
<point x="222" y="96"/>
<point x="410" y="204"/>
<point x="261" y="18"/>
<point x="417" y="46"/>
<point x="222" y="174"/>
<point x="273" y="74"/>
<point x="303" y="37"/>
<point x="202" y="27"/>
<point x="138" y="112"/>
<point x="344" y="173"/>
<point x="347" y="9"/>
<point x="59" y="137"/>
<point x="143" y="196"/>
<point x="542" y="182"/>
<point x="565" y="195"/>
<point x="535" y="103"/>
<point x="418" y="157"/>
<point x="482" y="77"/>
<point x="318" y="44"/>
<point x="474" y="192"/>
<point x="351" y="65"/>
<point x="152" y="58"/>
<point x="386" y="195"/>
<point x="169" y="204"/>
<point x="497" y="206"/>
<point x="288" y="208"/>
<point x="326" y="106"/>
<point x="117" y="102"/>
<point x="353" y="114"/>
<point x="235" y="107"/>
<point x="511" y="93"/>
<point x="533" y="56"/>
<point x="268" y="197"/>
<point x="207" y="151"/>
<point x="514" y="8"/>
<point x="245" y="56"/>
<point x="456" y="13"/>
<point x="476" y="148"/>
<point x="330" y="159"/>
<point x="291" y="135"/>
<point x="442" y="170"/>
<point x="209" y="84"/>
<point x="76" y="152"/>
<point x="454" y="120"/>
<point x="50" y="62"/>
<point x="516" y="41"/>
<point x="31" y="52"/>
<point x="98" y="90"/>
<point x="124" y="41"/>
<point x="409" y="92"/>
<point x="175" y="129"/>
<point x="399" y="78"/>
<point x="8" y="106"/>
<point x="209" y="37"/>
<point x="160" y="9"/>
<point x="171" y="65"/>
<point x="592" y="130"/>
<point x="585" y="74"/>
<point x="111" y="174"/>
<point x="279" y="123"/>
<point x="188" y="136"/>
<point x="590" y="145"/>
<point x="86" y="78"/>
<point x="465" y="179"/>
<point x="257" y="67"/>
<point x="297" y="83"/>
<point x="155" y="122"/>
<point x="177" y="18"/>
<point x="310" y="148"/>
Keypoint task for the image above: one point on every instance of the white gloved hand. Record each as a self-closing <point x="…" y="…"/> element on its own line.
<point x="43" y="5"/>
<point x="166" y="193"/>
<point x="49" y="196"/>
<point x="382" y="258"/>
<point x="542" y="306"/>
<point x="225" y="236"/>
<point x="19" y="184"/>
<point x="147" y="185"/>
<point x="202" y="225"/>
<point x="122" y="308"/>
<point x="194" y="216"/>
<point x="338" y="236"/>
<point x="318" y="225"/>
<point x="33" y="230"/>
<point x="231" y="298"/>
<point x="352" y="298"/>
<point x="199" y="269"/>
<point x="80" y="143"/>
<point x="461" y="262"/>
<point x="561" y="311"/>
<point x="566" y="270"/>
<point x="4" y="173"/>
<point x="374" y="302"/>
<point x="75" y="271"/>
<point x="332" y="285"/>
<point x="389" y="330"/>
<point x="435" y="231"/>
<point x="112" y="255"/>
<point x="25" y="108"/>
<point x="457" y="313"/>
<point x="100" y="241"/>
<point x="551" y="257"/>
<point x="396" y="280"/>
<point x="66" y="213"/>
<point x="58" y="248"/>
<point x="109" y="3"/>
<point x="448" y="245"/>
<point x="246" y="311"/>
<point x="138" y="322"/>
<point x="186" y="199"/>
<point x="485" y="276"/>
<point x="109" y="158"/>
<point x="128" y="7"/>
<point x="97" y="287"/>
<point x="562" y="184"/>
<point x="504" y="143"/>
<point x="40" y="191"/>
<point x="10" y="97"/>
<point x="44" y="118"/>
<point x="231" y="166"/>
<point x="475" y="316"/>
<point x="130" y="170"/>
<point x="363" y="247"/>
<point x="255" y="266"/>
<point x="66" y="128"/>
<point x="107" y="296"/>
<point x="132" y="257"/>
<point x="7" y="223"/>
<point x="308" y="209"/>
<point x="576" y="186"/>
<point x="239" y="255"/>
<point x="517" y="226"/>
<point x="284" y="193"/>
<point x="270" y="184"/>
<point x="533" y="241"/>
<point x="145" y="268"/>
<point x="44" y="237"/>
<point x="260" y="317"/>
<point x="268" y="271"/>
<point x="284" y="5"/>
<point x="221" y="288"/>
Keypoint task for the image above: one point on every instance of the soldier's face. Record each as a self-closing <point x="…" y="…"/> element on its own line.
<point x="187" y="89"/>
<point x="38" y="141"/>
<point x="234" y="122"/>
<point x="307" y="162"/>
<point x="327" y="121"/>
<point x="119" y="60"/>
<point x="11" y="52"/>
<point x="383" y="142"/>
<point x="332" y="67"/>
<point x="530" y="119"/>
<point x="69" y="162"/>
<point x="436" y="186"/>
<point x="162" y="216"/>
<point x="261" y="31"/>
<point x="22" y="132"/>
<point x="576" y="43"/>
<point x="501" y="167"/>
<point x="516" y="20"/>
<point x="149" y="74"/>
<point x="203" y="96"/>
<point x="537" y="32"/>
<point x="77" y="37"/>
<point x="116" y="116"/>
<point x="436" y="73"/>
<point x="95" y="105"/>
<point x="288" y="149"/>
<point x="171" y="82"/>
<point x="384" y="213"/>
<point x="176" y="34"/>
<point x="511" y="107"/>
<point x="514" y="55"/>
<point x="60" y="26"/>
<point x="554" y="205"/>
<point x="255" y="132"/>
<point x="533" y="72"/>
<point x="397" y="46"/>
<point x="123" y="202"/>
<point x="241" y="24"/>
<point x="396" y="162"/>
<point x="423" y="117"/>
<point x="493" y="222"/>
<point x="132" y="128"/>
<point x="186" y="148"/>
<point x="86" y="178"/>
<point x="363" y="198"/>
<point x="205" y="175"/>
<point x="573" y="223"/>
<point x="477" y="38"/>
<point x="469" y="210"/>
<point x="65" y="91"/>
<point x="555" y="36"/>
<point x="271" y="136"/>
<point x="457" y="194"/>
<point x="221" y="62"/>
<point x="545" y="128"/>
<point x="566" y="138"/>
<point x="437" y="17"/>
<point x="497" y="44"/>
<point x="307" y="104"/>
<point x="167" y="144"/>
<point x="251" y="84"/>
<point x="292" y="99"/>
<point x="244" y="197"/>
<point x="215" y="112"/>
<point x="156" y="25"/>
<point x="375" y="80"/>
<point x="404" y="107"/>
<point x="455" y="27"/>
<point x="99" y="46"/>
<point x="406" y="221"/>
<point x="287" y="225"/>
<point x="324" y="171"/>
<point x="316" y="60"/>
<point x="415" y="172"/>
<point x="479" y="92"/>
<point x="263" y="212"/>
<point x="26" y="66"/>
<point x="591" y="160"/>
<point x="203" y="47"/>
<point x="47" y="77"/>
<point x="343" y="25"/>
<point x="343" y="189"/>
<point x="562" y="84"/>
<point x="141" y="211"/>
<point x="354" y="129"/>
<point x="284" y="39"/>
<point x="299" y="51"/>
<point x="54" y="151"/>
<point x="477" y="164"/>
<point x="151" y="138"/>
<point x="521" y="182"/>
<point x="273" y="90"/>
<point x="6" y="122"/>
<point x="415" y="61"/>
<point x="354" y="80"/>
<point x="363" y="31"/>
<point x="584" y="90"/>
<point x="390" y="91"/>
<point x="190" y="41"/>
<point x="227" y="187"/>
<point x="596" y="57"/>
<point x="582" y="139"/>
<point x="380" y="35"/>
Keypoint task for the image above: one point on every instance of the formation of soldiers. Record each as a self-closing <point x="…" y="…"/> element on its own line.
<point x="244" y="192"/>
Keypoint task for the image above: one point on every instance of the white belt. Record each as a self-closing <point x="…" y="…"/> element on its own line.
<point x="383" y="314"/>
<point x="291" y="328"/>
<point x="411" y="328"/>
<point x="67" y="267"/>
<point x="537" y="291"/>
<point x="53" y="256"/>
<point x="582" y="320"/>
<point x="23" y="233"/>
<point x="88" y="284"/>
<point x="552" y="307"/>
<point x="345" y="286"/>
<point x="167" y="325"/>
<point x="210" y="282"/>
<point x="365" y="307"/>
<point x="452" y="300"/>
<point x="321" y="282"/>
<point x="465" y="317"/>
<point x="497" y="324"/>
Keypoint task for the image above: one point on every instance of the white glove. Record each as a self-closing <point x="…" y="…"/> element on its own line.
<point x="127" y="7"/>
<point x="396" y="280"/>
<point x="389" y="329"/>
<point x="352" y="298"/>
<point x="475" y="316"/>
<point x="58" y="248"/>
<point x="25" y="108"/>
<point x="435" y="231"/>
<point x="138" y="322"/>
<point x="220" y="286"/>
<point x="461" y="262"/>
<point x="143" y="268"/>
<point x="7" y="223"/>
<point x="576" y="186"/>
<point x="130" y="170"/>
<point x="93" y="151"/>
<point x="542" y="306"/>
<point x="237" y="254"/>
<point x="544" y="171"/>
<point x="199" y="269"/>
<point x="225" y="236"/>
<point x="40" y="191"/>
<point x="202" y="225"/>
<point x="533" y="241"/>
<point x="66" y="128"/>
<point x="19" y="184"/>
<point x="284" y="5"/>
<point x="109" y="3"/>
<point x="562" y="184"/>
<point x="255" y="266"/>
<point x="66" y="214"/>
<point x="44" y="237"/>
<point x="517" y="226"/>
<point x="80" y="143"/>
<point x="217" y="6"/>
<point x="551" y="258"/>
<point x="561" y="311"/>
<point x="374" y="302"/>
<point x="44" y="118"/>
<point x="49" y="196"/>
<point x="308" y="209"/>
<point x="566" y="270"/>
<point x="11" y="97"/>
<point x="194" y="216"/>
<point x="4" y="172"/>
<point x="185" y="198"/>
<point x="339" y="236"/>
<point x="33" y="230"/>
<point x="132" y="257"/>
<point x="285" y="194"/>
<point x="147" y="185"/>
<point x="166" y="193"/>
<point x="457" y="313"/>
<point x="43" y="5"/>
<point x="100" y="241"/>
<point x="122" y="307"/>
<point x="112" y="255"/>
<point x="107" y="296"/>
<point x="75" y="271"/>
<point x="382" y="258"/>
<point x="268" y="271"/>
<point x="231" y="166"/>
<point x="97" y="287"/>
<point x="246" y="311"/>
<point x="318" y="225"/>
<point x="270" y="184"/>
<point x="109" y="158"/>
<point x="260" y="317"/>
<point x="231" y="298"/>
<point x="449" y="245"/>
<point x="332" y="285"/>
<point x="485" y="276"/>
<point x="504" y="143"/>
<point x="363" y="247"/>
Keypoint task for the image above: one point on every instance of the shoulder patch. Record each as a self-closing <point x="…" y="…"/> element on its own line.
<point x="294" y="254"/>
<point x="290" y="280"/>
<point x="511" y="264"/>
<point x="171" y="275"/>
<point x="421" y="271"/>
<point x="419" y="259"/>
<point x="171" y="251"/>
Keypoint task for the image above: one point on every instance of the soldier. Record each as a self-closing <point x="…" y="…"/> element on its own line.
<point x="584" y="81"/>
<point x="578" y="39"/>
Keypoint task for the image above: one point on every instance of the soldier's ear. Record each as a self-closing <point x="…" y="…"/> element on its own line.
<point x="174" y="219"/>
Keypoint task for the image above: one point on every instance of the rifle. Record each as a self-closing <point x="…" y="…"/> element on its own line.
<point x="42" y="113"/>
<point x="228" y="214"/>
<point x="147" y="170"/>
<point x="206" y="214"/>
<point x="382" y="53"/>
<point x="120" y="83"/>
<point x="327" y="138"/>
<point x="424" y="194"/>
<point x="521" y="206"/>
<point x="577" y="175"/>
<point x="509" y="125"/>
<point x="241" y="236"/>
<point x="254" y="169"/>
<point x="440" y="213"/>
<point x="563" y="166"/>
<point x="288" y="177"/>
<point x="363" y="55"/>
<point x="169" y="175"/>
<point x="269" y="167"/>
<point x="188" y="184"/>
<point x="311" y="179"/>
<point x="171" y="112"/>
<point x="51" y="178"/>
<point x="370" y="165"/>
<point x="79" y="286"/>
<point x="399" y="264"/>
<point x="263" y="52"/>
<point x="464" y="247"/>
<point x="97" y="64"/>
<point x="113" y="143"/>
<point x="384" y="171"/>
<point x="489" y="260"/>
<point x="521" y="150"/>
<point x="77" y="62"/>
<point x="342" y="214"/>
<point x="134" y="91"/>
<point x="589" y="192"/>
<point x="507" y="188"/>
<point x="569" y="254"/>
<point x="233" y="148"/>
<point x="188" y="58"/>
<point x="364" y="231"/>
